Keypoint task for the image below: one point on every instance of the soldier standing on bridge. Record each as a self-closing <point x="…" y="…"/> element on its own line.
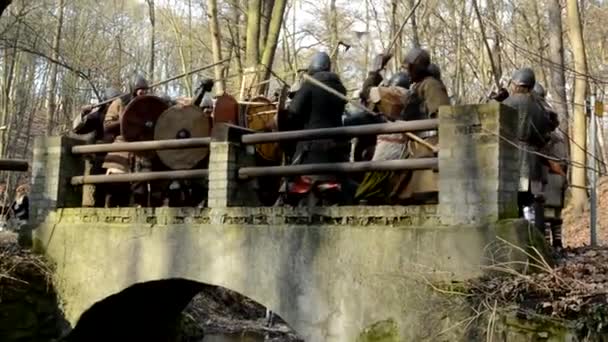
<point x="376" y="185"/>
<point x="312" y="108"/>
<point x="120" y="162"/>
<point x="533" y="131"/>
<point x="556" y="173"/>
<point x="89" y="125"/>
<point x="422" y="101"/>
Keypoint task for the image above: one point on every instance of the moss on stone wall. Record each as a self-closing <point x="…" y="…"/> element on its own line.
<point x="383" y="331"/>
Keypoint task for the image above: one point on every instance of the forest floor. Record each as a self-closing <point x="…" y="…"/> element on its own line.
<point x="573" y="291"/>
<point x="576" y="231"/>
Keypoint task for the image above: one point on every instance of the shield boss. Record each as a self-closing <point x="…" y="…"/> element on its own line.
<point x="182" y="122"/>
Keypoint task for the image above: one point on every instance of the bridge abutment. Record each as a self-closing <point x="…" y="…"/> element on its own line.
<point x="478" y="166"/>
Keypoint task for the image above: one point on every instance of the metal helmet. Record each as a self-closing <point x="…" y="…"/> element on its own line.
<point x="400" y="79"/>
<point x="539" y="90"/>
<point x="320" y="62"/>
<point x="524" y="77"/>
<point x="139" y="82"/>
<point x="418" y="57"/>
<point x="434" y="70"/>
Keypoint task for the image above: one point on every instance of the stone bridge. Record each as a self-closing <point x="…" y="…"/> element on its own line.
<point x="332" y="273"/>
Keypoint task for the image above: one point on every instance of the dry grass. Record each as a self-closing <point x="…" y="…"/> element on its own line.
<point x="20" y="268"/>
<point x="221" y="311"/>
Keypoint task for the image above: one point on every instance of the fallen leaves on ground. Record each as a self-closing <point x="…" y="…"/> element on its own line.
<point x="575" y="289"/>
<point x="576" y="231"/>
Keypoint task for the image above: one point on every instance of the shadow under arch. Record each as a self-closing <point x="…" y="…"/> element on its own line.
<point x="152" y="311"/>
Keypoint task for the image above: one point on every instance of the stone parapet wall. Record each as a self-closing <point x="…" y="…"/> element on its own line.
<point x="478" y="167"/>
<point x="52" y="168"/>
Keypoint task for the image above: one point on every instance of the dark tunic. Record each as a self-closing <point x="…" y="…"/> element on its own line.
<point x="313" y="107"/>
<point x="532" y="133"/>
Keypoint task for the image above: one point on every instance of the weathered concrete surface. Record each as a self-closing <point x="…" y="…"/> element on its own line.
<point x="333" y="274"/>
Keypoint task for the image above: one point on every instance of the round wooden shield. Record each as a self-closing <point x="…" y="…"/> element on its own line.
<point x="139" y="118"/>
<point x="226" y="110"/>
<point x="183" y="122"/>
<point x="258" y="118"/>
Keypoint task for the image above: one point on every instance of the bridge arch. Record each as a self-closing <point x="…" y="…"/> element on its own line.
<point x="152" y="311"/>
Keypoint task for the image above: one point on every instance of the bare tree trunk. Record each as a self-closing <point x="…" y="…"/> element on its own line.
<point x="10" y="58"/>
<point x="333" y="33"/>
<point x="579" y="194"/>
<point x="394" y="28"/>
<point x="151" y="11"/>
<point x="267" y="6"/>
<point x="253" y="34"/>
<point x="415" y="37"/>
<point x="216" y="43"/>
<point x="51" y="105"/>
<point x="236" y="36"/>
<point x="368" y="38"/>
<point x="556" y="57"/>
<point x="274" y="31"/>
<point x="496" y="49"/>
<point x="486" y="44"/>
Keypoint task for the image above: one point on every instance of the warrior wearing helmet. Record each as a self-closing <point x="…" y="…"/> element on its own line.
<point x="88" y="125"/>
<point x="120" y="162"/>
<point x="313" y="107"/>
<point x="422" y="101"/>
<point x="533" y="132"/>
<point x="556" y="172"/>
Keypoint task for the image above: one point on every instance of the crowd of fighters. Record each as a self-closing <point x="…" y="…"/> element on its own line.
<point x="413" y="93"/>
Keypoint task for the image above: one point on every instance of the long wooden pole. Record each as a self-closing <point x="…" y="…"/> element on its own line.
<point x="154" y="85"/>
<point x="362" y="107"/>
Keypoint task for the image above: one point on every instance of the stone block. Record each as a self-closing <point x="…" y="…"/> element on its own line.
<point x="477" y="166"/>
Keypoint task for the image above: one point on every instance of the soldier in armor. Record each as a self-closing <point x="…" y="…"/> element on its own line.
<point x="533" y="132"/>
<point x="121" y="162"/>
<point x="374" y="76"/>
<point x="313" y="107"/>
<point x="375" y="185"/>
<point x="422" y="101"/>
<point x="89" y="126"/>
<point x="556" y="173"/>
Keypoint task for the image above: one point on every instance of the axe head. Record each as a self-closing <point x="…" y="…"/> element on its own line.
<point x="346" y="46"/>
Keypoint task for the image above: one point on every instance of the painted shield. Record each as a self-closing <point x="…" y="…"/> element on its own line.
<point x="139" y="118"/>
<point x="226" y="110"/>
<point x="183" y="122"/>
<point x="260" y="116"/>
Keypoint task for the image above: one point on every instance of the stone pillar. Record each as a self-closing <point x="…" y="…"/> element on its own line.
<point x="52" y="169"/>
<point x="478" y="171"/>
<point x="226" y="156"/>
